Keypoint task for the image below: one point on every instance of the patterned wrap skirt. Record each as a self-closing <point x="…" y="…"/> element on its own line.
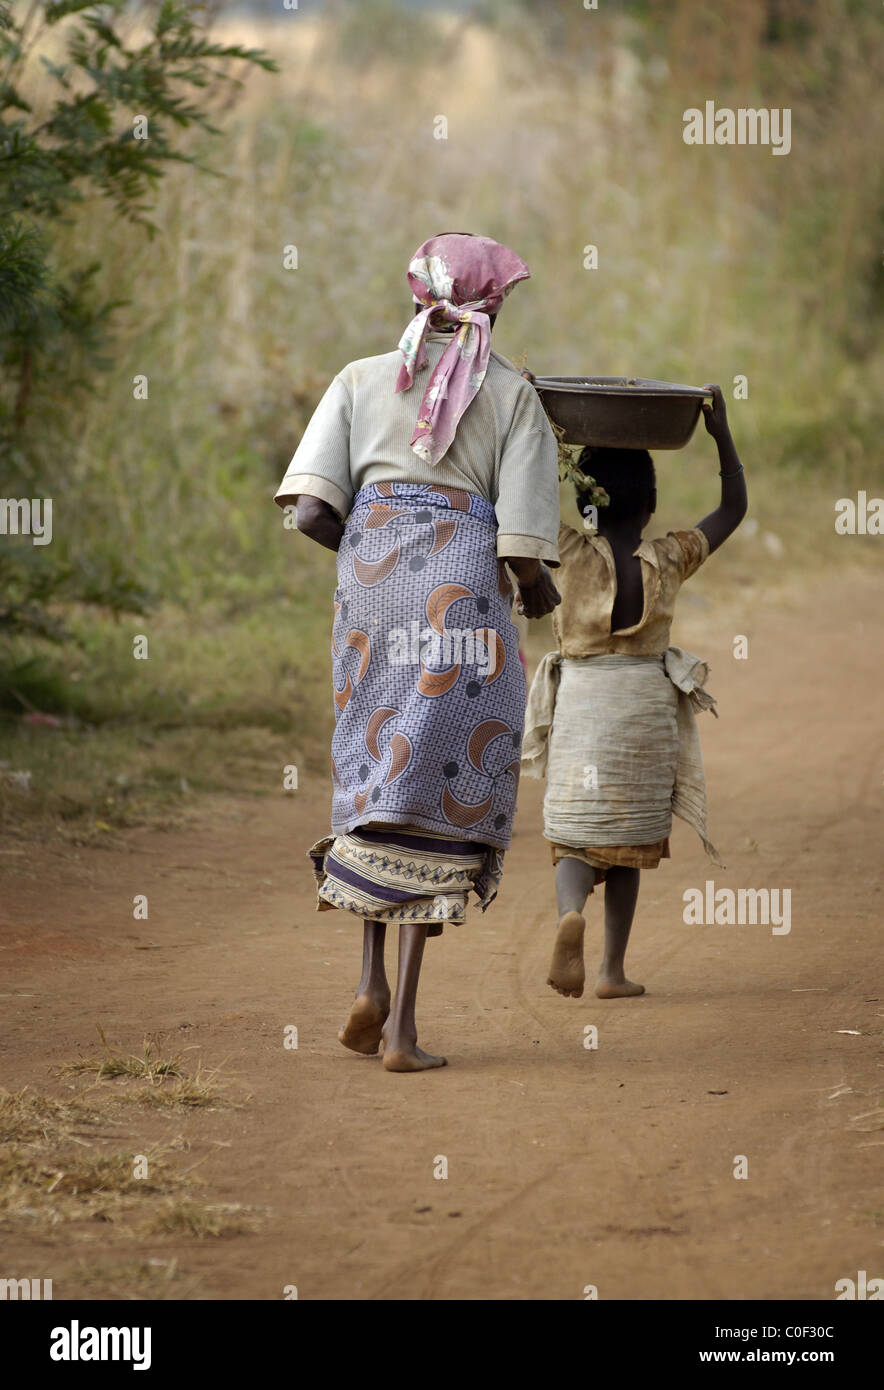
<point x="429" y="697"/>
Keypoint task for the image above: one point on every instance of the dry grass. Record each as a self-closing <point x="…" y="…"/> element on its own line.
<point x="198" y="1092"/>
<point x="57" y="1167"/>
<point x="169" y="1086"/>
<point x="135" y="1279"/>
<point x="60" y="1189"/>
<point x="26" y="1117"/>
<point x="186" y="1217"/>
<point x="46" y="1182"/>
<point x="46" y="1190"/>
<point x="148" y="1067"/>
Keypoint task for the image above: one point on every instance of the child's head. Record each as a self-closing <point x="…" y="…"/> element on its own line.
<point x="628" y="477"/>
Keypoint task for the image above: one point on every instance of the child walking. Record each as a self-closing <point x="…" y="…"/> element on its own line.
<point x="610" y="716"/>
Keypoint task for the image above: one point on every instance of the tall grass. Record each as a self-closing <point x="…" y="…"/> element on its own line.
<point x="712" y="261"/>
<point x="564" y="129"/>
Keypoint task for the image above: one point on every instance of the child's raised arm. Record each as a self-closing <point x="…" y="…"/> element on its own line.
<point x="721" y="523"/>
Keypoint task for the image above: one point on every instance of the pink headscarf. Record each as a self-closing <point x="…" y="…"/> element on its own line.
<point x="460" y="279"/>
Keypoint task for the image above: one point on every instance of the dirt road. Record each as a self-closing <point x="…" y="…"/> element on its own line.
<point x="567" y="1166"/>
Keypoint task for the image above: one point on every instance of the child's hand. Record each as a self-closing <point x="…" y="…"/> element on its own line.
<point x="715" y="415"/>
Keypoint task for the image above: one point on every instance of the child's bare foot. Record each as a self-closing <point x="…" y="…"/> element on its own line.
<point x="616" y="986"/>
<point x="403" y="1054"/>
<point x="566" y="972"/>
<point x="363" y="1029"/>
<point x="411" y="1059"/>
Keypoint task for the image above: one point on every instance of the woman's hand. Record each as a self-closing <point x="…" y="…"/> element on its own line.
<point x="319" y="521"/>
<point x="537" y="594"/>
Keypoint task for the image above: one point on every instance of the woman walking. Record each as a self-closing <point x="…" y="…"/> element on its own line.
<point x="427" y="487"/>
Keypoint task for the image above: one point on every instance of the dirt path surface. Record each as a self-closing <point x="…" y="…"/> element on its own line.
<point x="567" y="1167"/>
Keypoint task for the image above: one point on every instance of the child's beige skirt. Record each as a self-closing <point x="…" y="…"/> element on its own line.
<point x="616" y="737"/>
<point x="613" y="754"/>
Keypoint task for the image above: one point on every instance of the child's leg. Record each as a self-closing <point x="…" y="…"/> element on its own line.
<point x="362" y="1031"/>
<point x="621" y="892"/>
<point x="401" y="1052"/>
<point x="574" y="883"/>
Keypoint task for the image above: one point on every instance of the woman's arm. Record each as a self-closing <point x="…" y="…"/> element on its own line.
<point x="721" y="523"/>
<point x="317" y="481"/>
<point x="318" y="520"/>
<point x="537" y="594"/>
<point x="526" y="503"/>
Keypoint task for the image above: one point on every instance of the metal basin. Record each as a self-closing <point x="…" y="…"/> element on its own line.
<point x="621" y="412"/>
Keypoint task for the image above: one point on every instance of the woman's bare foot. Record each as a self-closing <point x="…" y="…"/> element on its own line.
<point x="403" y="1054"/>
<point x="616" y="986"/>
<point x="566" y="972"/>
<point x="364" y="1026"/>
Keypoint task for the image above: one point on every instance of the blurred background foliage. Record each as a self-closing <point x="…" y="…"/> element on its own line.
<point x="314" y="128"/>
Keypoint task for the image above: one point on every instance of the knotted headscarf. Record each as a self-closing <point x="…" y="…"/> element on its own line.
<point x="459" y="279"/>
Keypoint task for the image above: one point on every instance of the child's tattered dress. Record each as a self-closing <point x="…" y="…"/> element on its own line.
<point x="610" y="716"/>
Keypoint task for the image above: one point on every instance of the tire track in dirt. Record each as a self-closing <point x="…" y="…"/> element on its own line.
<point x="426" y="1274"/>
